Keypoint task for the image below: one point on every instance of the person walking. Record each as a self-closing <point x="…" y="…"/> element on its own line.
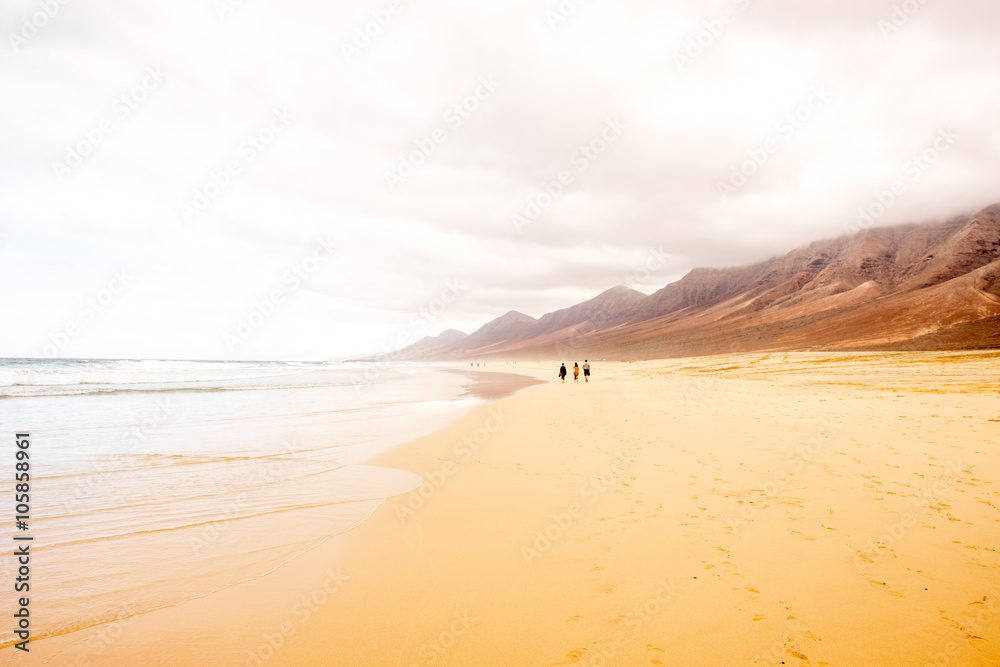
<point x="562" y="372"/>
<point x="576" y="372"/>
<point x="586" y="371"/>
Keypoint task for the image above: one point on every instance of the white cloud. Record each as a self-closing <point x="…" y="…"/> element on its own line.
<point x="655" y="186"/>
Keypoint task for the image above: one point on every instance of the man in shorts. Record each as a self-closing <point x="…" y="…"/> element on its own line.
<point x="586" y="371"/>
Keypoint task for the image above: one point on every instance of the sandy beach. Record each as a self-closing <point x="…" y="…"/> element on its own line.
<point x="288" y="287"/>
<point x="800" y="509"/>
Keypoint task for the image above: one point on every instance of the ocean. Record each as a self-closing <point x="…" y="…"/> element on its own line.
<point x="157" y="482"/>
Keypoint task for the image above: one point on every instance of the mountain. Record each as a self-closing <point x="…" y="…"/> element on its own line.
<point x="507" y="329"/>
<point x="614" y="306"/>
<point x="441" y="343"/>
<point x="932" y="286"/>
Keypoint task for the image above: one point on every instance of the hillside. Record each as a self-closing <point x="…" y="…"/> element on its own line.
<point x="901" y="287"/>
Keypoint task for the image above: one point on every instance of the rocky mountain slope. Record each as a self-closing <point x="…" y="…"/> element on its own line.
<point x="901" y="287"/>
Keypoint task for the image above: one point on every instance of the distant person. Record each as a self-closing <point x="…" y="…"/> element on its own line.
<point x="562" y="372"/>
<point x="586" y="371"/>
<point x="576" y="372"/>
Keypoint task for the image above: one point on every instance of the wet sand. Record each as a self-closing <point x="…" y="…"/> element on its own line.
<point x="808" y="508"/>
<point x="495" y="383"/>
<point x="146" y="583"/>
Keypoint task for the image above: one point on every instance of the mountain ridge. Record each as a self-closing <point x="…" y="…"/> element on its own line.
<point x="879" y="287"/>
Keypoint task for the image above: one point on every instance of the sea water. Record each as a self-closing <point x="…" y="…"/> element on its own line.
<point x="157" y="482"/>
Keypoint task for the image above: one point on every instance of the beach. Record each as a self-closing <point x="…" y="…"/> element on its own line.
<point x="814" y="508"/>
<point x="462" y="334"/>
<point x="150" y="484"/>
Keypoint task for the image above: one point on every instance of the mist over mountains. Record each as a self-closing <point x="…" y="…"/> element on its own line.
<point x="904" y="287"/>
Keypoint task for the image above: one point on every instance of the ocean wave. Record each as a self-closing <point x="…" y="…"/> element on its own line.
<point x="60" y="390"/>
<point x="29" y="378"/>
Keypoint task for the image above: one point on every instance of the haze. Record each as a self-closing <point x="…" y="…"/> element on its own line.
<point x="182" y="166"/>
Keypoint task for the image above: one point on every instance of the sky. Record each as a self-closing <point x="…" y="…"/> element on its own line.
<point x="253" y="179"/>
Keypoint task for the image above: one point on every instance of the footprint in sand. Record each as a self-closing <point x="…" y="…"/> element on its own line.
<point x="656" y="651"/>
<point x="884" y="586"/>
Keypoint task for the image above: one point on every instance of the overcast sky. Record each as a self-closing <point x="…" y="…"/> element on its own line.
<point x="170" y="169"/>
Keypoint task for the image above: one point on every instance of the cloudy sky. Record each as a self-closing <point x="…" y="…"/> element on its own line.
<point x="233" y="179"/>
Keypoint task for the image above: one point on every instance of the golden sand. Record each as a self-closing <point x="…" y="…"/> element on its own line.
<point x="811" y="508"/>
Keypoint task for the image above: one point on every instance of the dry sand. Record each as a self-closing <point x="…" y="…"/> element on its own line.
<point x="811" y="508"/>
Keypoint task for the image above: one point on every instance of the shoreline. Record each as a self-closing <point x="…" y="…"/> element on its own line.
<point x="494" y="384"/>
<point x="108" y="642"/>
<point x="691" y="551"/>
<point x="761" y="559"/>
